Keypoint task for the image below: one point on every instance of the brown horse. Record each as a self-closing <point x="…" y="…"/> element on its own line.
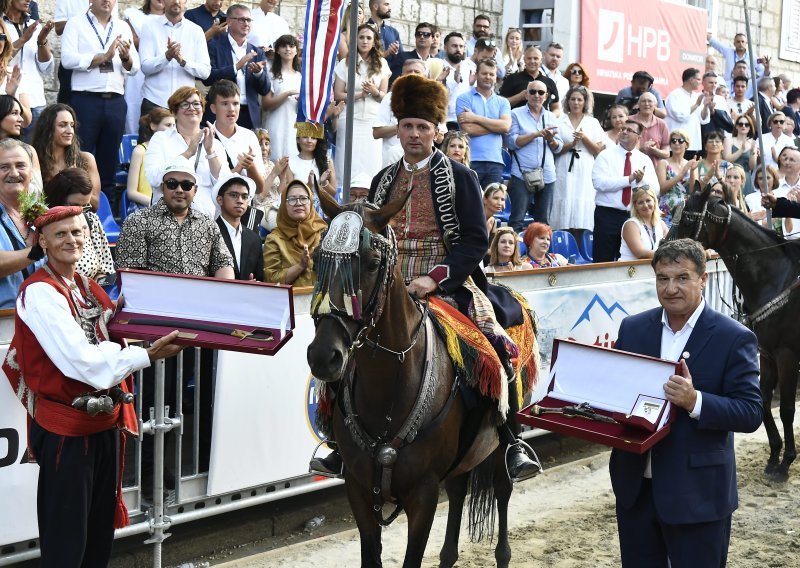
<point x="764" y="266"/>
<point x="401" y="421"/>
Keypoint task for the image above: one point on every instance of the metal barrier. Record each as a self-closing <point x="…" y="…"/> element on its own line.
<point x="191" y="500"/>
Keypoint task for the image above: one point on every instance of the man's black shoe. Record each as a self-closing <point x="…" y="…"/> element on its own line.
<point x="331" y="465"/>
<point x="520" y="466"/>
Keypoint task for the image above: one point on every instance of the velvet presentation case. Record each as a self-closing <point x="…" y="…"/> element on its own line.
<point x="627" y="387"/>
<point x="222" y="305"/>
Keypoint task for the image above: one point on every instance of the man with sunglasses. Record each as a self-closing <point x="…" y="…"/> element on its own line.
<point x="515" y="86"/>
<point x="423" y="40"/>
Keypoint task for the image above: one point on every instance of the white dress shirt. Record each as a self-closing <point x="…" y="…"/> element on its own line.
<point x="562" y="84"/>
<point x="166" y="145"/>
<point x="243" y="140"/>
<point x="457" y="88"/>
<point x="680" y="116"/>
<point x="65" y="9"/>
<point x="79" y="45"/>
<point x="162" y="77"/>
<point x="266" y="28"/>
<point x="236" y="240"/>
<point x="240" y="51"/>
<point x="47" y="314"/>
<point x="385" y="117"/>
<point x="609" y="179"/>
<point x="28" y="60"/>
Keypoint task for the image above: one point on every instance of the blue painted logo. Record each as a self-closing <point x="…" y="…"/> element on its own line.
<point x="311" y="408"/>
<point x="597" y="300"/>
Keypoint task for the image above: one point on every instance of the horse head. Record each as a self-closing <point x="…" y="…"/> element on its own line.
<point x="355" y="263"/>
<point x="703" y="217"/>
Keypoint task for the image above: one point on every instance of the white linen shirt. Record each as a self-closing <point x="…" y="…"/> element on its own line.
<point x="609" y="179"/>
<point x="162" y="77"/>
<point x="457" y="88"/>
<point x="266" y="28"/>
<point x="679" y="116"/>
<point x="236" y="240"/>
<point x="166" y="145"/>
<point x="79" y="45"/>
<point x="65" y="9"/>
<point x="47" y="314"/>
<point x="32" y="69"/>
<point x="243" y="140"/>
<point x="385" y="117"/>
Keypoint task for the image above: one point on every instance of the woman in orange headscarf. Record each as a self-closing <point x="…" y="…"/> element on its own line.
<point x="290" y="246"/>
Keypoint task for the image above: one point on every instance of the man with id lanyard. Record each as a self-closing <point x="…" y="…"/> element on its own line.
<point x="98" y="48"/>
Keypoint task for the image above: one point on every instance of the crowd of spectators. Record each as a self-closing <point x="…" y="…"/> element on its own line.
<point x="212" y="94"/>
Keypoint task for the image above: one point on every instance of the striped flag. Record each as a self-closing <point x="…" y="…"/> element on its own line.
<point x="322" y="30"/>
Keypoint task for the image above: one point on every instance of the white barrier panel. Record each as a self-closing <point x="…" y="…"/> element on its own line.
<point x="264" y="406"/>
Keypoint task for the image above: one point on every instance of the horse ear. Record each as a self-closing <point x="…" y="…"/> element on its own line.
<point x="329" y="205"/>
<point x="379" y="218"/>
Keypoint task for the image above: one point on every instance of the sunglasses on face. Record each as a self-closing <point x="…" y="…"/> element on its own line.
<point x="537" y="92"/>
<point x="677" y="141"/>
<point x="3" y="37"/>
<point x="576" y="72"/>
<point x="423" y="34"/>
<point x="745" y="124"/>
<point x="173" y="184"/>
<point x="778" y="121"/>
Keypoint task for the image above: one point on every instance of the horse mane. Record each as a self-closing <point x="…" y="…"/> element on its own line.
<point x="791" y="248"/>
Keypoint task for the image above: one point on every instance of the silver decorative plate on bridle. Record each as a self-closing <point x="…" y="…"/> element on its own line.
<point x="343" y="234"/>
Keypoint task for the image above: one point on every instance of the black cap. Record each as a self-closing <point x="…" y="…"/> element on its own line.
<point x="643" y="75"/>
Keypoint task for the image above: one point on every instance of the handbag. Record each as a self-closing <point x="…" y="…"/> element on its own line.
<point x="534" y="178"/>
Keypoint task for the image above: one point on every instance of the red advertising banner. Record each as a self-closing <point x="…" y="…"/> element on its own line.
<point x="620" y="37"/>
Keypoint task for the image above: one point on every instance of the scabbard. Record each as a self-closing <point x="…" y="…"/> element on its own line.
<point x="256" y="334"/>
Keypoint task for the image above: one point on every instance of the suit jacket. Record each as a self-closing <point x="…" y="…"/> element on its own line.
<point x="223" y="66"/>
<point x="785" y="208"/>
<point x="252" y="261"/>
<point x="764" y="109"/>
<point x="694" y="468"/>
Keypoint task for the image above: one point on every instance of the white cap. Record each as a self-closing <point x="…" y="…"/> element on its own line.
<point x="179" y="164"/>
<point x="226" y="177"/>
<point x="360" y="180"/>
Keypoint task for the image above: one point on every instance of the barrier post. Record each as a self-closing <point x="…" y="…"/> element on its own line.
<point x="159" y="522"/>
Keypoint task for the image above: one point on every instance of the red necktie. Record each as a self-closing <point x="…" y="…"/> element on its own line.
<point x="626" y="191"/>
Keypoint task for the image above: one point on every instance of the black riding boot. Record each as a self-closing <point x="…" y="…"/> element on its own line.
<point x="519" y="463"/>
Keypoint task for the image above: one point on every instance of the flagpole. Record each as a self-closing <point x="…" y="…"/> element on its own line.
<point x="757" y="109"/>
<point x="352" y="77"/>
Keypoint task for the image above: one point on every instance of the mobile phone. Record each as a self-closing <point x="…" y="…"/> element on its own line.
<point x="221" y="18"/>
<point x="760" y="60"/>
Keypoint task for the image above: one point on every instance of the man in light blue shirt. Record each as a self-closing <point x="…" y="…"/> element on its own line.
<point x="735" y="54"/>
<point x="486" y="117"/>
<point x="533" y="135"/>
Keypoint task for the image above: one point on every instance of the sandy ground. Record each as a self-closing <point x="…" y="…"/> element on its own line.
<point x="565" y="519"/>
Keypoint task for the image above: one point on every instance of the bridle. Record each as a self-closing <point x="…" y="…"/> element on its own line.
<point x="700" y="218"/>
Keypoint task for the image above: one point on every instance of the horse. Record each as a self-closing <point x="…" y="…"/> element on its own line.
<point x="764" y="266"/>
<point x="401" y="422"/>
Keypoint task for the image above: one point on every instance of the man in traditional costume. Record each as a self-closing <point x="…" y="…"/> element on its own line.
<point x="76" y="385"/>
<point x="442" y="239"/>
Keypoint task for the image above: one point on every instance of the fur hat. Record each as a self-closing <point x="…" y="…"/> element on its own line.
<point x="414" y="96"/>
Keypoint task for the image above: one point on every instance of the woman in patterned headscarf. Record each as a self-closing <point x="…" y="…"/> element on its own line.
<point x="290" y="246"/>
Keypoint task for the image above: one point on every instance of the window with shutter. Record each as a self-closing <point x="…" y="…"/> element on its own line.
<point x="790" y="31"/>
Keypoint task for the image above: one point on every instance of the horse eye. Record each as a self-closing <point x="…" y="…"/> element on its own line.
<point x="374" y="264"/>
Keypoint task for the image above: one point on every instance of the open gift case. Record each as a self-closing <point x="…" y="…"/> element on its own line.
<point x="606" y="396"/>
<point x="233" y="315"/>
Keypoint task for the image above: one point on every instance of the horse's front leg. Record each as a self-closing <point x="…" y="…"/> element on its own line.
<point x="769" y="380"/>
<point x="456" y="493"/>
<point x="787" y="372"/>
<point x="420" y="509"/>
<point x="368" y="528"/>
<point x="502" y="494"/>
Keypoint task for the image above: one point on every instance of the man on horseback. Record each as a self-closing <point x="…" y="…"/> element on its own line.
<point x="442" y="239"/>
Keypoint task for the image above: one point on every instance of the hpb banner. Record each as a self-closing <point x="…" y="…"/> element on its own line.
<point x="619" y="37"/>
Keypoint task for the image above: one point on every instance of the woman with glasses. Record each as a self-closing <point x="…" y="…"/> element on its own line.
<point x="372" y="82"/>
<point x="188" y="139"/>
<point x="344" y="37"/>
<point x="573" y="199"/>
<point x="56" y="143"/>
<point x="513" y="52"/>
<point x="642" y="233"/>
<point x="712" y="166"/>
<point x="72" y="186"/>
<point x="576" y="75"/>
<point x="280" y="104"/>
<point x="742" y="149"/>
<point x="676" y="175"/>
<point x="456" y="146"/>
<point x="775" y="140"/>
<point x="289" y="248"/>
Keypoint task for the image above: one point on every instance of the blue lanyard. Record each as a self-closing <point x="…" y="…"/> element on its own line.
<point x="108" y="35"/>
<point x="652" y="236"/>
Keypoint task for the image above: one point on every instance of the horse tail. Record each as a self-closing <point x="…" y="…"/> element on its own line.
<point x="481" y="508"/>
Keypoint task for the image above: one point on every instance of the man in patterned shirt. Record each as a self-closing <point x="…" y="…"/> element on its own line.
<point x="172" y="237"/>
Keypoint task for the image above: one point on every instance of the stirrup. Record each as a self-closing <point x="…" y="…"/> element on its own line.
<point x="315" y="465"/>
<point x="530" y="453"/>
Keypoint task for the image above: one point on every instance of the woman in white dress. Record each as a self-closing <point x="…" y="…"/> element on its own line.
<point x="280" y="104"/>
<point x="642" y="233"/>
<point x="573" y="203"/>
<point x="137" y="18"/>
<point x="372" y="82"/>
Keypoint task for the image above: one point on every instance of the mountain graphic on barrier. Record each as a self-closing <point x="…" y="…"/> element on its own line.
<point x="597" y="308"/>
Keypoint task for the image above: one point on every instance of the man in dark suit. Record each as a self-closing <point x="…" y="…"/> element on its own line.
<point x="766" y="90"/>
<point x="233" y="58"/>
<point x="674" y="503"/>
<point x="233" y="195"/>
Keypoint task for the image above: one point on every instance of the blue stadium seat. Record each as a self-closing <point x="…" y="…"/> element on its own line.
<point x="587" y="244"/>
<point x="110" y="225"/>
<point x="506" y="166"/>
<point x="565" y="244"/>
<point x="523" y="249"/>
<point x="126" y="147"/>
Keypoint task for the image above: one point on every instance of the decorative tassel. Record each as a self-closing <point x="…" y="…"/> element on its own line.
<point x="348" y="305"/>
<point x="325" y="305"/>
<point x="355" y="307"/>
<point x="120" y="511"/>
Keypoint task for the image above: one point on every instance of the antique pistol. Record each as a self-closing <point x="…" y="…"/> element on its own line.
<point x="582" y="410"/>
